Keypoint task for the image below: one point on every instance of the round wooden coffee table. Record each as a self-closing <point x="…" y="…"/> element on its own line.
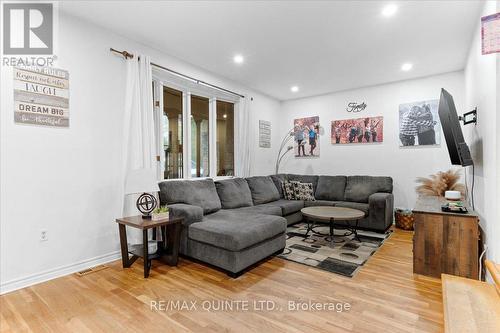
<point x="331" y="215"/>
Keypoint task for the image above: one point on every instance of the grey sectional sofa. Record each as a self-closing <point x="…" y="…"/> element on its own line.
<point x="235" y="223"/>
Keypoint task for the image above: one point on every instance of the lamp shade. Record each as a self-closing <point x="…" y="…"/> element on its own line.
<point x="140" y="181"/>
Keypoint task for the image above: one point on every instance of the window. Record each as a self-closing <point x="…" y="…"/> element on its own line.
<point x="225" y="139"/>
<point x="172" y="133"/>
<point x="200" y="160"/>
<point x="194" y="129"/>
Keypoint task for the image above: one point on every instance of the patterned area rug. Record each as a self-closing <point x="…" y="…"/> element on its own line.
<point x="344" y="256"/>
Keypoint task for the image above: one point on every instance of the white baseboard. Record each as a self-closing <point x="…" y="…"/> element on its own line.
<point x="6" y="287"/>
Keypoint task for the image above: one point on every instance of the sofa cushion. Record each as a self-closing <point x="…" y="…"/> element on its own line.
<point x="319" y="203"/>
<point x="359" y="188"/>
<point x="355" y="205"/>
<point x="235" y="231"/>
<point x="234" y="193"/>
<point x="260" y="209"/>
<point x="278" y="181"/>
<point x="199" y="192"/>
<point x="287" y="206"/>
<point x="304" y="179"/>
<point x="330" y="188"/>
<point x="263" y="189"/>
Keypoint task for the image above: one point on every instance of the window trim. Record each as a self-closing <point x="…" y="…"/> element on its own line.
<point x="188" y="89"/>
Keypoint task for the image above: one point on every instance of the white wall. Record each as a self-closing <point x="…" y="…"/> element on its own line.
<point x="482" y="84"/>
<point x="387" y="158"/>
<point x="66" y="180"/>
<point x="263" y="159"/>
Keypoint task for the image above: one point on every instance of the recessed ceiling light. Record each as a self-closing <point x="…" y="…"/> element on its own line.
<point x="294" y="89"/>
<point x="238" y="59"/>
<point x="389" y="10"/>
<point x="406" y="67"/>
<point x="224" y="116"/>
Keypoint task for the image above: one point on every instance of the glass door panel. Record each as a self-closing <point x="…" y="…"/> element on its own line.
<point x="172" y="133"/>
<point x="225" y="139"/>
<point x="200" y="160"/>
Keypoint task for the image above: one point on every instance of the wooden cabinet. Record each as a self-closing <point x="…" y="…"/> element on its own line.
<point x="444" y="242"/>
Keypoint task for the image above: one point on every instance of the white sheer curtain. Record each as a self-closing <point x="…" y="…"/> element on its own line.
<point x="244" y="138"/>
<point x="138" y="144"/>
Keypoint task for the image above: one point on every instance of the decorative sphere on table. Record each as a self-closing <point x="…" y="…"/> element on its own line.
<point x="146" y="203"/>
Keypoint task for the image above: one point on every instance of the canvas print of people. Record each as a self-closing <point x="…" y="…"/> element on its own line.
<point x="306" y="137"/>
<point x="360" y="130"/>
<point x="419" y="124"/>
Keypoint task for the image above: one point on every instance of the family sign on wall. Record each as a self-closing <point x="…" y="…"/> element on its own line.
<point x="41" y="96"/>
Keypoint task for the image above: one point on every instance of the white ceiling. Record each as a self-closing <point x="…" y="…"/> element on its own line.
<point x="319" y="46"/>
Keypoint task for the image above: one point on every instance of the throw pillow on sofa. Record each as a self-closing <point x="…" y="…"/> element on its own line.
<point x="289" y="189"/>
<point x="304" y="191"/>
<point x="295" y="190"/>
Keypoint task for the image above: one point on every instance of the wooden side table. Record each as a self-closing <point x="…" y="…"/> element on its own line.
<point x="167" y="249"/>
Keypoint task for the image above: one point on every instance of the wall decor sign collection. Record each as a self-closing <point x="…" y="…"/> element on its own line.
<point x="264" y="134"/>
<point x="41" y="96"/>
<point x="419" y="126"/>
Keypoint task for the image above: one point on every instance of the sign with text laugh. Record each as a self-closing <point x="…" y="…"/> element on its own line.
<point x="41" y="96"/>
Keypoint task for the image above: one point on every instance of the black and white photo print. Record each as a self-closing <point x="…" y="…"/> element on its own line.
<point x="419" y="124"/>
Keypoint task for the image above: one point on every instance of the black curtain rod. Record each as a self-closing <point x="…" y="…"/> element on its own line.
<point x="127" y="55"/>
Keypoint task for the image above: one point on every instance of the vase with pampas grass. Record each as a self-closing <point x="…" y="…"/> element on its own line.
<point x="438" y="184"/>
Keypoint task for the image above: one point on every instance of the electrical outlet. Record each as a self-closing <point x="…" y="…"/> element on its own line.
<point x="44" y="236"/>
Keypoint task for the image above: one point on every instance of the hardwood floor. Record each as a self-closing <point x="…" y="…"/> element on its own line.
<point x="384" y="297"/>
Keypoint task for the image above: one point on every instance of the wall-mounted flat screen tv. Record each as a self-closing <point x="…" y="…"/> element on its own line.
<point x="457" y="148"/>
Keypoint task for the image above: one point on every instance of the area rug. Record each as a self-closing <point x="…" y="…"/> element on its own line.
<point x="344" y="256"/>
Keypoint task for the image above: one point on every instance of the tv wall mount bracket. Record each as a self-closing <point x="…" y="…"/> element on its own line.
<point x="469" y="117"/>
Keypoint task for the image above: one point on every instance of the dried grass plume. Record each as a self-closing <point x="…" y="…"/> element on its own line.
<point x="439" y="183"/>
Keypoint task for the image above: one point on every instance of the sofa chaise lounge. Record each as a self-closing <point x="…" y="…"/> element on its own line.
<point x="235" y="223"/>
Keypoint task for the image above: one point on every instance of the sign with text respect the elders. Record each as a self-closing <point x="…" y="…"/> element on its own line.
<point x="41" y="96"/>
